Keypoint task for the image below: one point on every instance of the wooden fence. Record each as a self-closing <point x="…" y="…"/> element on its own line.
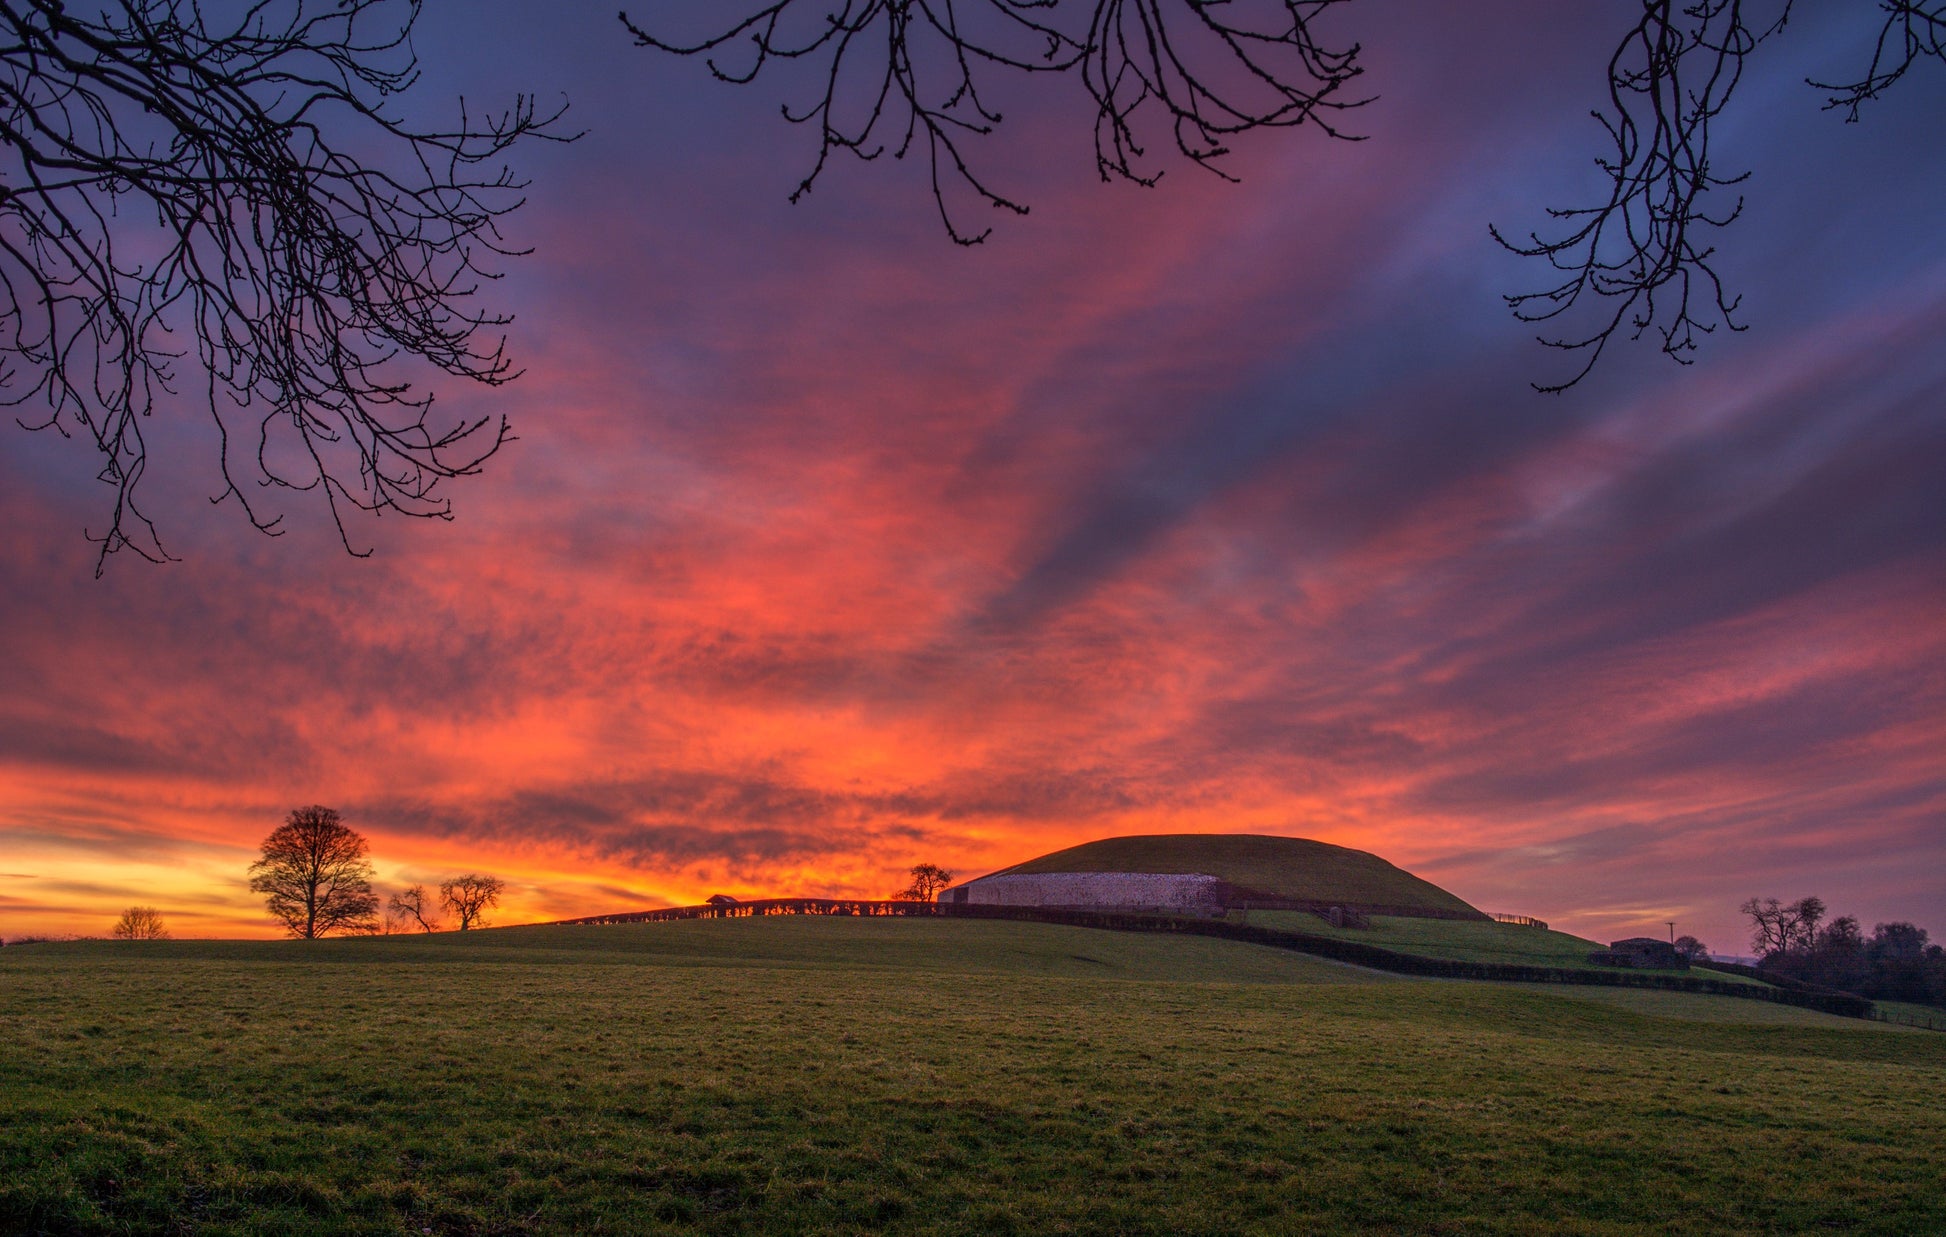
<point x="1925" y="1022"/>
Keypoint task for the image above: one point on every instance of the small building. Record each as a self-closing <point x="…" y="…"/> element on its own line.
<point x="1641" y="952"/>
<point x="720" y="899"/>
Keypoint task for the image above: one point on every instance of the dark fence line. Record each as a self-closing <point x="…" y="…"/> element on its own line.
<point x="1911" y="1020"/>
<point x="1824" y="1001"/>
<point x="1843" y="1004"/>
<point x="761" y="906"/>
<point x="1757" y="972"/>
<point x="1925" y="1022"/>
<point x="1519" y="921"/>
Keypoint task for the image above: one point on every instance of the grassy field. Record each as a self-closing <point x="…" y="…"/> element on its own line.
<point x="1295" y="868"/>
<point x="1917" y="1015"/>
<point x="851" y="1076"/>
<point x="1465" y="940"/>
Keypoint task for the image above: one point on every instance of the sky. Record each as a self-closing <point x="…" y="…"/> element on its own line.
<point x="828" y="547"/>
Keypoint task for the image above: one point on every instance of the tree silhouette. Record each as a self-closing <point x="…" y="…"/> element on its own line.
<point x="927" y="880"/>
<point x="314" y="876"/>
<point x="901" y="75"/>
<point x="141" y="923"/>
<point x="469" y="897"/>
<point x="1782" y="928"/>
<point x="231" y="215"/>
<point x="411" y="904"/>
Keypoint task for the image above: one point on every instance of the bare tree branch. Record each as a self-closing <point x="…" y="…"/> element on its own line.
<point x="895" y="74"/>
<point x="907" y="74"/>
<point x="1640" y="257"/>
<point x="236" y="209"/>
<point x="1913" y="29"/>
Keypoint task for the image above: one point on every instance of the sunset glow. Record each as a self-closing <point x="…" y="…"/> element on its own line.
<point x="828" y="548"/>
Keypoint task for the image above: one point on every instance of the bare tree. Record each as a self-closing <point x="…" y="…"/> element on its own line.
<point x="141" y="923"/>
<point x="314" y="875"/>
<point x="409" y="906"/>
<point x="903" y="74"/>
<point x="1782" y="928"/>
<point x="230" y="215"/>
<point x="927" y="880"/>
<point x="1768" y="930"/>
<point x="469" y="897"/>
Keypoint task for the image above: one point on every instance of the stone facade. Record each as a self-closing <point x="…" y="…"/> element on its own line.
<point x="1644" y="952"/>
<point x="1168" y="891"/>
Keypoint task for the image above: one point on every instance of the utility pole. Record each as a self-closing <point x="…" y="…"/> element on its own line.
<point x="1672" y="932"/>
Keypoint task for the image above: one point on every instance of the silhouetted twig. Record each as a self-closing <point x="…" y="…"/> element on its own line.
<point x="898" y="74"/>
<point x="1639" y="254"/>
<point x="236" y="208"/>
<point x="1913" y="29"/>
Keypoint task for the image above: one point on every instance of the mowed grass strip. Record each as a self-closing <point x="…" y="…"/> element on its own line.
<point x="804" y="1075"/>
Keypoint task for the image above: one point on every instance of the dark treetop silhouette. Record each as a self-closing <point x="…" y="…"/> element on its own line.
<point x="906" y="74"/>
<point x="469" y="897"/>
<point x="410" y="906"/>
<point x="141" y="923"/>
<point x="927" y="880"/>
<point x="232" y="210"/>
<point x="1896" y="962"/>
<point x="314" y="876"/>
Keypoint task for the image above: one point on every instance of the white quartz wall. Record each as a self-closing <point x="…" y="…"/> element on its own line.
<point x="1166" y="890"/>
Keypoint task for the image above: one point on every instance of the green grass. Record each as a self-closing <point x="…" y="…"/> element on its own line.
<point x="1295" y="868"/>
<point x="1695" y="1007"/>
<point x="794" y="942"/>
<point x="1462" y="940"/>
<point x="1929" y="1015"/>
<point x="852" y="1076"/>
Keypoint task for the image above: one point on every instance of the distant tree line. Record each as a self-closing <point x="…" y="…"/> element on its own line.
<point x="1896" y="962"/>
<point x="316" y="879"/>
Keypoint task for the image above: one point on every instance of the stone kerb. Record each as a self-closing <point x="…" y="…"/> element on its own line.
<point x="1171" y="891"/>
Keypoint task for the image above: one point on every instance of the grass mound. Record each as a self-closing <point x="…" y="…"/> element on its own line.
<point x="1275" y="867"/>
